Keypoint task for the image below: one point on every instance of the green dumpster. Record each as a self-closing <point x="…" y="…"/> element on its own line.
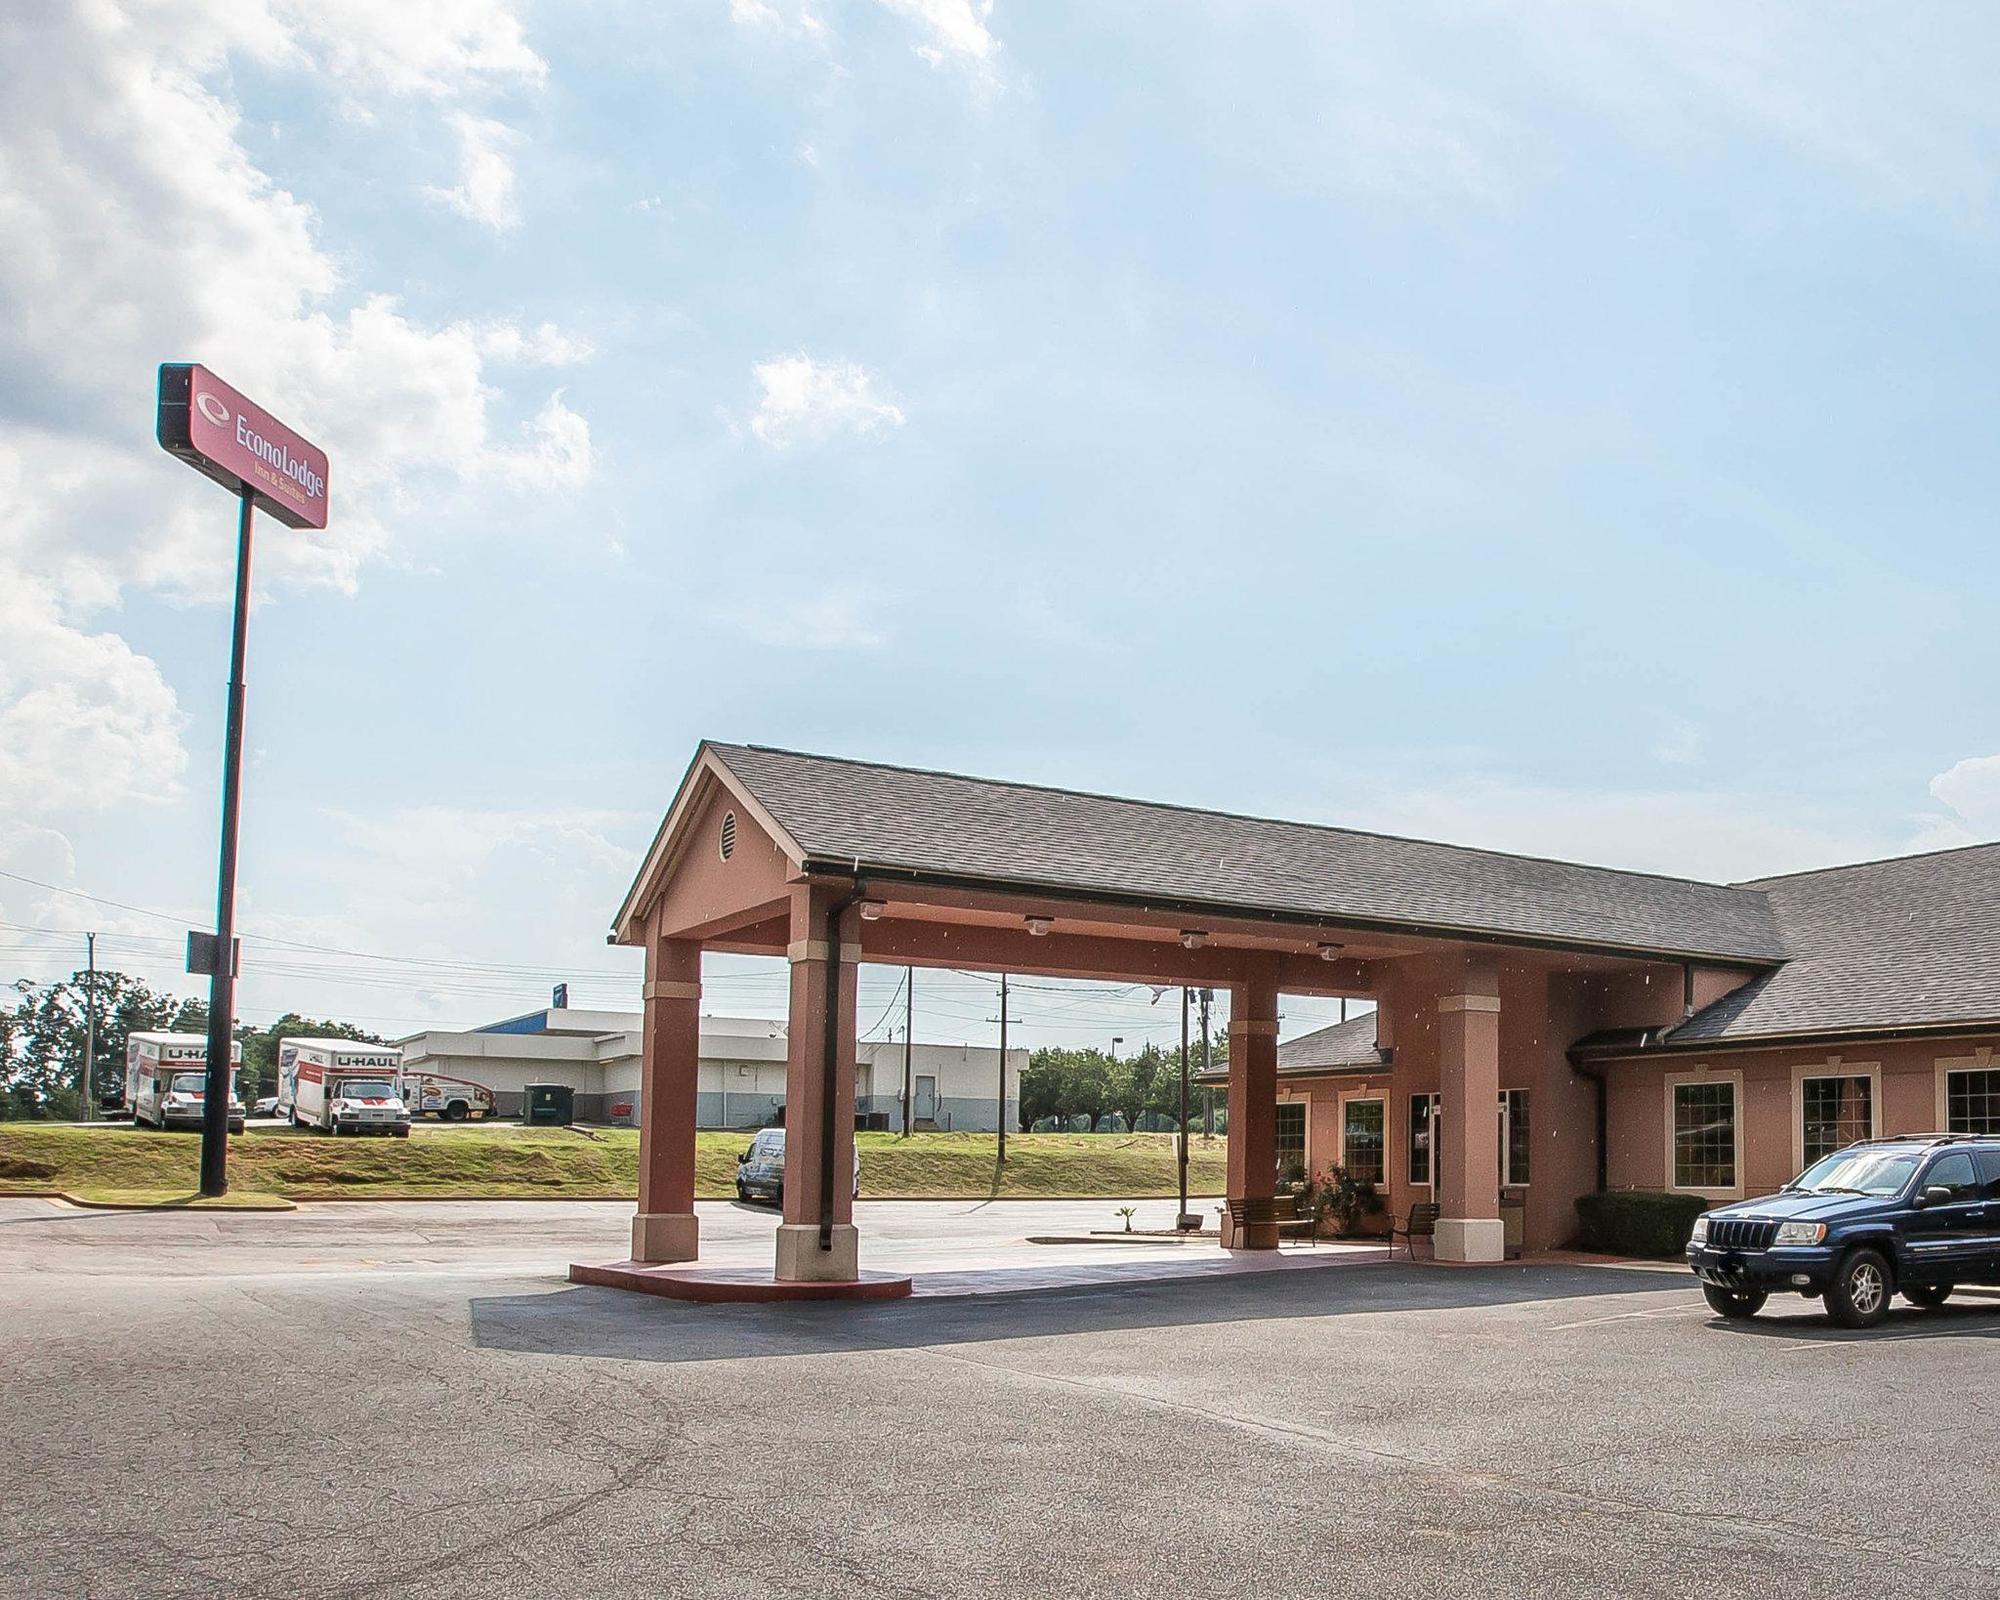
<point x="549" y="1105"/>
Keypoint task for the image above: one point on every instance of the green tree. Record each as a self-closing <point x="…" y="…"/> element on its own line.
<point x="42" y="1036"/>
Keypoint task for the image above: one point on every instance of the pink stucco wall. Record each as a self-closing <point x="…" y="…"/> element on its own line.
<point x="1909" y="1074"/>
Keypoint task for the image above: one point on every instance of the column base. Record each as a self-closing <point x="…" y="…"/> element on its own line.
<point x="800" y="1259"/>
<point x="1470" y="1239"/>
<point x="666" y="1236"/>
<point x="1248" y="1235"/>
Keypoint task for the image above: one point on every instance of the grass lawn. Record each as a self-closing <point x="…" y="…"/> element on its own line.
<point x="505" y="1161"/>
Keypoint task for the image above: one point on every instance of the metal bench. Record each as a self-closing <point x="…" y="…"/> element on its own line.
<point x="1421" y="1223"/>
<point x="1281" y="1211"/>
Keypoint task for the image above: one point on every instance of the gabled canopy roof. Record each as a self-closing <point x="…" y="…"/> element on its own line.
<point x="843" y="815"/>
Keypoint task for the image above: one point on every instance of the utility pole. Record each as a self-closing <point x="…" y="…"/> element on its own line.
<point x="90" y="1029"/>
<point x="1000" y="1121"/>
<point x="1207" y="1089"/>
<point x="909" y="1033"/>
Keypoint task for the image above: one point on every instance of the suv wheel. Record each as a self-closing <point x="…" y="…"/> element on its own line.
<point x="1928" y="1295"/>
<point x="1859" y="1295"/>
<point x="1738" y="1305"/>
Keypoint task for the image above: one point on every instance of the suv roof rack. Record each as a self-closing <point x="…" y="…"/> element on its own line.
<point x="1926" y="1138"/>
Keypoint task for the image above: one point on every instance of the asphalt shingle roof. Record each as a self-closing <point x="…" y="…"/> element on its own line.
<point x="1340" y="1044"/>
<point x="1913" y="942"/>
<point x="979" y="829"/>
<point x="1338" y="1047"/>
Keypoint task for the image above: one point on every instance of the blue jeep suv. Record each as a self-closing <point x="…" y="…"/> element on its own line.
<point x="1916" y="1215"/>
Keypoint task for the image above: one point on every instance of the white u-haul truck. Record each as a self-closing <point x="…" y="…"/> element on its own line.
<point x="166" y="1080"/>
<point x="342" y="1087"/>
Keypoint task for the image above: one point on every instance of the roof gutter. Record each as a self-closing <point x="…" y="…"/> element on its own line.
<point x="1658" y="1041"/>
<point x="847" y="866"/>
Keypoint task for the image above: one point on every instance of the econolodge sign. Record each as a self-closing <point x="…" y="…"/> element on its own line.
<point x="241" y="446"/>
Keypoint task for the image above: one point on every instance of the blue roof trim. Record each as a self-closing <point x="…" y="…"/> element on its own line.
<point x="533" y="1022"/>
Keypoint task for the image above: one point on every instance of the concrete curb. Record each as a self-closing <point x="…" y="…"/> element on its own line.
<point x="277" y="1203"/>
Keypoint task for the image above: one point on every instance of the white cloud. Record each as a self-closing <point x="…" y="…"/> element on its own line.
<point x="1970" y="792"/>
<point x="137" y="228"/>
<point x="433" y="48"/>
<point x="485" y="189"/>
<point x="849" y="617"/>
<point x="957" y="28"/>
<point x="557" y="452"/>
<point x="86" y="723"/>
<point x="808" y="401"/>
<point x="788" y="18"/>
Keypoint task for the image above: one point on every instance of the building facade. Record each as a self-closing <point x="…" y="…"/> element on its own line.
<point x="599" y="1055"/>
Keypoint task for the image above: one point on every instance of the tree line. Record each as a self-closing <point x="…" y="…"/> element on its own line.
<point x="1071" y="1090"/>
<point x="43" y="1034"/>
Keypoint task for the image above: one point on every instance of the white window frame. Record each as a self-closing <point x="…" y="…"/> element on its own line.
<point x="1980" y="1060"/>
<point x="1380" y="1097"/>
<point x="1433" y="1103"/>
<point x="1506" y="1115"/>
<point x="1675" y="1080"/>
<point x="1833" y="1067"/>
<point x="1300" y="1097"/>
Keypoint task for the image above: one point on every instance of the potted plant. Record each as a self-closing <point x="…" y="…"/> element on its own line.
<point x="1346" y="1199"/>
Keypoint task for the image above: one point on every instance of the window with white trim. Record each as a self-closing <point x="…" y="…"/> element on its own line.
<point x="1424" y="1120"/>
<point x="1515" y="1141"/>
<point x="1361" y="1141"/>
<point x="1291" y="1139"/>
<point x="1835" y="1111"/>
<point x="1704" y="1134"/>
<point x="1972" y="1101"/>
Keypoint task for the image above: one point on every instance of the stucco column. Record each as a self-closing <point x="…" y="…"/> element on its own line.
<point x="823" y="979"/>
<point x="665" y="1228"/>
<point x="1469" y="1226"/>
<point x="1253" y="1112"/>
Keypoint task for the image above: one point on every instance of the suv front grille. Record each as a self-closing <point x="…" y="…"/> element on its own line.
<point x="1741" y="1233"/>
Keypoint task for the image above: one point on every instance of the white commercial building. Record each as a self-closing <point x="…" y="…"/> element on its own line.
<point x="742" y="1077"/>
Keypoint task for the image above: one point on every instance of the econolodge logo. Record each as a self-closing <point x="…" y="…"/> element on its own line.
<point x="213" y="409"/>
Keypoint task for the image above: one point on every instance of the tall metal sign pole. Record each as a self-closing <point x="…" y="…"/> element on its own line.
<point x="265" y="465"/>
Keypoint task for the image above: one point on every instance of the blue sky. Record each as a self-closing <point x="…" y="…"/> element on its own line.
<point x="1559" y="429"/>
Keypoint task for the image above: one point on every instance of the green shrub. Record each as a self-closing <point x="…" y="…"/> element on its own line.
<point x="1638" y="1223"/>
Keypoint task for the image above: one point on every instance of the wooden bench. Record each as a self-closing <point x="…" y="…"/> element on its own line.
<point x="1281" y="1211"/>
<point x="1421" y="1223"/>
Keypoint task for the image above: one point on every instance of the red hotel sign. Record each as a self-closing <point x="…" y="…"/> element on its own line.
<point x="240" y="445"/>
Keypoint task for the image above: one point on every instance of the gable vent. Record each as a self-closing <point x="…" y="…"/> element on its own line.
<point x="728" y="834"/>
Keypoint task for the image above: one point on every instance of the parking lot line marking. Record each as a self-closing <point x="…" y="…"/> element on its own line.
<point x="1628" y="1316"/>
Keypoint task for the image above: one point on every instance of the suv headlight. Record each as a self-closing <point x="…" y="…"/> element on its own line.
<point x="1800" y="1233"/>
<point x="1700" y="1234"/>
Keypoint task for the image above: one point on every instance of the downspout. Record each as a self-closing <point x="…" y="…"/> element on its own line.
<point x="830" y="1083"/>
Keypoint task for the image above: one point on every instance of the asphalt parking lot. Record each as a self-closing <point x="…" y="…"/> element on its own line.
<point x="364" y="1401"/>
